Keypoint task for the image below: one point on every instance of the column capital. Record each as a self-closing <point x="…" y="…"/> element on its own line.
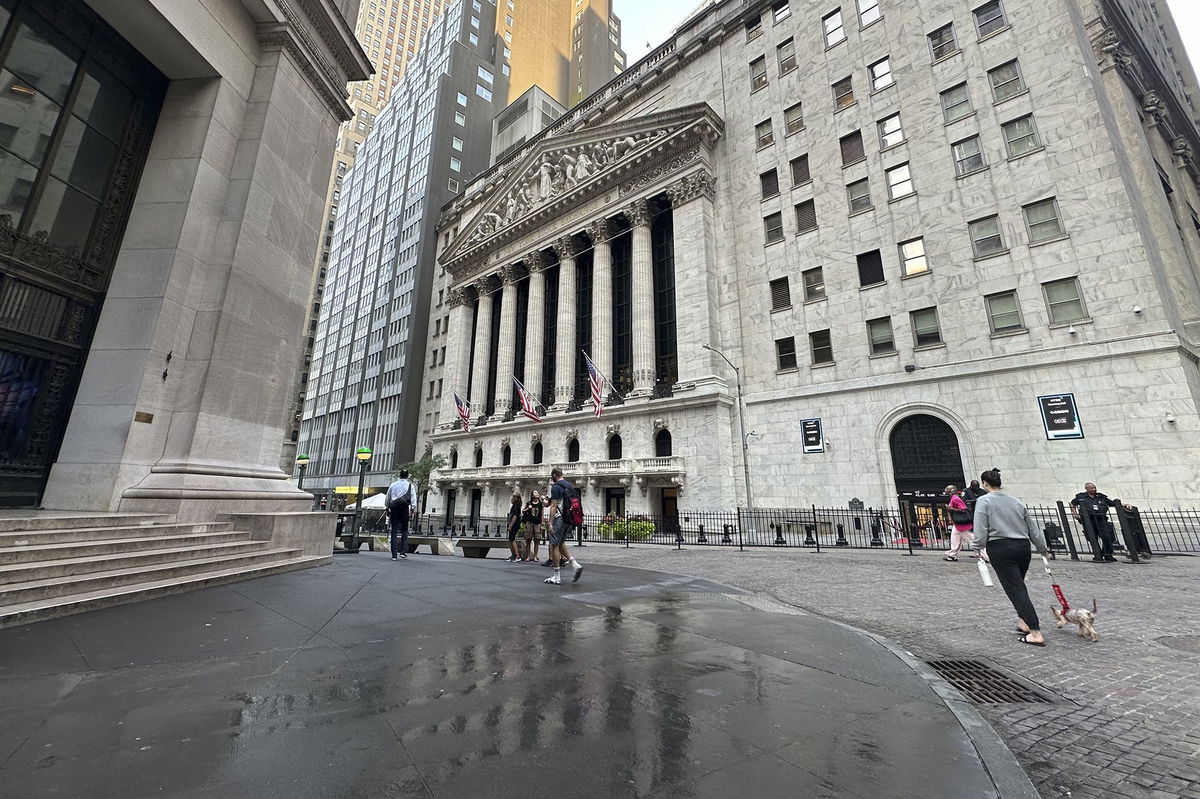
<point x="692" y="187"/>
<point x="535" y="262"/>
<point x="483" y="285"/>
<point x="566" y="247"/>
<point x="638" y="213"/>
<point x="458" y="298"/>
<point x="599" y="231"/>
<point x="509" y="275"/>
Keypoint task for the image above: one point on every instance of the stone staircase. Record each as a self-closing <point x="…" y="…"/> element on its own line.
<point x="54" y="565"/>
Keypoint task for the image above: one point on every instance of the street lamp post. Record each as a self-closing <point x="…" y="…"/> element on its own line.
<point x="364" y="458"/>
<point x="302" y="462"/>
<point x="737" y="378"/>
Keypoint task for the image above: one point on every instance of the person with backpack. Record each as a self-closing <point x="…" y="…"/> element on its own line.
<point x="401" y="499"/>
<point x="566" y="513"/>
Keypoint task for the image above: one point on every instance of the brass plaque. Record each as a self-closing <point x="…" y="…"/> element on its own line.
<point x="143" y="417"/>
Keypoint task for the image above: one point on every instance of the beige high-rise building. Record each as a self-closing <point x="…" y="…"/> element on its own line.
<point x="587" y="55"/>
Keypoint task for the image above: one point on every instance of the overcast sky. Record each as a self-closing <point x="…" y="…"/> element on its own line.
<point x="647" y="23"/>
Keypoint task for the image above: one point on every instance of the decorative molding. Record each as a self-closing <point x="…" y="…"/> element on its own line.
<point x="1182" y="150"/>
<point x="458" y="298"/>
<point x="638" y="214"/>
<point x="661" y="171"/>
<point x="535" y="261"/>
<point x="573" y="433"/>
<point x="484" y="286"/>
<point x="599" y="231"/>
<point x="662" y="424"/>
<point x="509" y="275"/>
<point x="566" y="247"/>
<point x="1154" y="108"/>
<point x="535" y="438"/>
<point x="692" y="187"/>
<point x="505" y="441"/>
<point x="36" y="250"/>
<point x="614" y="430"/>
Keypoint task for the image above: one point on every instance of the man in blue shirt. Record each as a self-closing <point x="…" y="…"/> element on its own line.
<point x="560" y="528"/>
<point x="401" y="500"/>
<point x="1090" y="508"/>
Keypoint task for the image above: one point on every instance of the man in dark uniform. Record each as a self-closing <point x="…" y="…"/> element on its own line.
<point x="1091" y="510"/>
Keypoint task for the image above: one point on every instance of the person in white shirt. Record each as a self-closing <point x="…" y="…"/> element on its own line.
<point x="401" y="500"/>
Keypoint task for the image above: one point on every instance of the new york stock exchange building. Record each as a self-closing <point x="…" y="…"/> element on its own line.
<point x="906" y="263"/>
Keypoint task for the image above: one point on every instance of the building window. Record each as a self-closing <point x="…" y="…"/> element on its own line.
<point x="985" y="237"/>
<point x="968" y="156"/>
<point x="537" y="453"/>
<point x="793" y="119"/>
<point x="870" y="268"/>
<point x="835" y="32"/>
<point x="781" y="294"/>
<point x="787" y="56"/>
<point x="989" y="18"/>
<point x="881" y="74"/>
<point x="1063" y="301"/>
<point x="1020" y="136"/>
<point x="473" y="37"/>
<point x="1004" y="314"/>
<point x="800" y="174"/>
<point x="781" y="11"/>
<point x="1006" y="81"/>
<point x="859" y="195"/>
<point x="769" y="183"/>
<point x="459" y="117"/>
<point x="758" y="73"/>
<point x="461" y="99"/>
<point x="662" y="444"/>
<point x="880" y="337"/>
<point x="852" y="148"/>
<point x="764" y="133"/>
<point x="773" y="225"/>
<point x="478" y="457"/>
<point x="814" y="284"/>
<point x="573" y="450"/>
<point x="843" y="93"/>
<point x="806" y="216"/>
<point x="452" y="185"/>
<point x="456" y="143"/>
<point x="614" y="447"/>
<point x="912" y="257"/>
<point x="456" y="164"/>
<point x="890" y="132"/>
<point x="506" y="455"/>
<point x="1042" y="221"/>
<point x="785" y="353"/>
<point x="942" y="43"/>
<point x="483" y="92"/>
<point x="899" y="180"/>
<point x="868" y="12"/>
<point x="821" y="347"/>
<point x="926" y="332"/>
<point x="753" y="28"/>
<point x="956" y="103"/>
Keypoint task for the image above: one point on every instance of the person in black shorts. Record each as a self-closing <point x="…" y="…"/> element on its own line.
<point x="560" y="529"/>
<point x="514" y="527"/>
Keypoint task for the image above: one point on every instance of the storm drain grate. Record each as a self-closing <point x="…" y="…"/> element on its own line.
<point x="982" y="684"/>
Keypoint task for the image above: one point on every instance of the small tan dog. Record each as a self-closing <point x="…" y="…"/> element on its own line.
<point x="1086" y="619"/>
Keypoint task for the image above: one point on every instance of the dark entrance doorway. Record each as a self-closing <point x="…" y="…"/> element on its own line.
<point x="925" y="458"/>
<point x="78" y="107"/>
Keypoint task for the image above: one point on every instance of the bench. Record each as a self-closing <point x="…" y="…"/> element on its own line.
<point x="438" y="545"/>
<point x="479" y="547"/>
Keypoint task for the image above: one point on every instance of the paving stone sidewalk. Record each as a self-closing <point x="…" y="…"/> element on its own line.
<point x="1126" y="720"/>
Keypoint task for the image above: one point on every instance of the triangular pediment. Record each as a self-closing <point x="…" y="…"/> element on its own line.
<point x="559" y="172"/>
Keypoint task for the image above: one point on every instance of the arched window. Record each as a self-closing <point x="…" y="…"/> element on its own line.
<point x="453" y="459"/>
<point x="537" y="452"/>
<point x="573" y="450"/>
<point x="479" y="456"/>
<point x="662" y="444"/>
<point x="505" y="455"/>
<point x="614" y="447"/>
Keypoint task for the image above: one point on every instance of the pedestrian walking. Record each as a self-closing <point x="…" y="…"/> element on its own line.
<point x="401" y="501"/>
<point x="1006" y="531"/>
<point x="514" y="527"/>
<point x="961" y="523"/>
<point x="533" y="514"/>
<point x="971" y="495"/>
<point x="1090" y="509"/>
<point x="561" y="491"/>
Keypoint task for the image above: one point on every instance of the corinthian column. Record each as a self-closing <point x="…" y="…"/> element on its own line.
<point x="459" y="368"/>
<point x="535" y="323"/>
<point x="642" y="291"/>
<point x="602" y="337"/>
<point x="564" y="354"/>
<point x="506" y="355"/>
<point x="483" y="340"/>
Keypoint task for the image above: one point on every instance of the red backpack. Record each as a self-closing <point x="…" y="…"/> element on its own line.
<point x="572" y="511"/>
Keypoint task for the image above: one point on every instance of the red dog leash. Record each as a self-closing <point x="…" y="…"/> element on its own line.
<point x="1057" y="591"/>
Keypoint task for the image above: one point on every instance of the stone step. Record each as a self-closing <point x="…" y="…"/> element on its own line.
<point x="66" y="536"/>
<point x="112" y="546"/>
<point x="116" y="560"/>
<point x="49" y="588"/>
<point x="49" y="520"/>
<point x="49" y="608"/>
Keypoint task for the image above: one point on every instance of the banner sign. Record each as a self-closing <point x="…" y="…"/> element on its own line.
<point x="1060" y="417"/>
<point x="813" y="436"/>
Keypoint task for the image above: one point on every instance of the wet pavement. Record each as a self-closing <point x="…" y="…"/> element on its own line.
<point x="449" y="677"/>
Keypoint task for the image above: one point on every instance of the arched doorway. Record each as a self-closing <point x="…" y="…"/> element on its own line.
<point x="925" y="455"/>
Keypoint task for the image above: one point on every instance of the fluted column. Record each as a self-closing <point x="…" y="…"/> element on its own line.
<point x="483" y="341"/>
<point x="506" y="354"/>
<point x="642" y="292"/>
<point x="694" y="251"/>
<point x="459" y="368"/>
<point x="602" y="297"/>
<point x="565" y="356"/>
<point x="535" y="323"/>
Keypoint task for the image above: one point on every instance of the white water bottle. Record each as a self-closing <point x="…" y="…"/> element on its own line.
<point x="984" y="573"/>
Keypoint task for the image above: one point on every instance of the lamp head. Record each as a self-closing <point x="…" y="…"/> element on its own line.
<point x="363" y="454"/>
<point x="302" y="460"/>
<point x="1137" y="309"/>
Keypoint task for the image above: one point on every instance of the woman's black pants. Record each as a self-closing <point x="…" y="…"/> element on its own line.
<point x="1010" y="558"/>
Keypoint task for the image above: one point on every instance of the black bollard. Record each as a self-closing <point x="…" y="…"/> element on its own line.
<point x="702" y="539"/>
<point x="725" y="537"/>
<point x="841" y="538"/>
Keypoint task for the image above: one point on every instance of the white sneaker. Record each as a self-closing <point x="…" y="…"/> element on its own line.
<point x="578" y="571"/>
<point x="553" y="580"/>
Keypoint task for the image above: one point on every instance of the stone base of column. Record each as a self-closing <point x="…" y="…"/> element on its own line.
<point x="199" y="492"/>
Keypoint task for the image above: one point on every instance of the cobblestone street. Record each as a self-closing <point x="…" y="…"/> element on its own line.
<point x="1126" y="717"/>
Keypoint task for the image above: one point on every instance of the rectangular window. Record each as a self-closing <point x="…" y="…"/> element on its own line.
<point x="806" y="216"/>
<point x="821" y="346"/>
<point x="899" y="180"/>
<point x="781" y="11"/>
<point x="456" y="143"/>
<point x="769" y="183"/>
<point x="1020" y="136"/>
<point x="485" y="75"/>
<point x="1004" y="314"/>
<point x="852" y="148"/>
<point x="912" y="257"/>
<point x="989" y="18"/>
<point x="800" y="174"/>
<point x="843" y="93"/>
<point x="942" y="43"/>
<point x="758" y="73"/>
<point x="868" y="12"/>
<point x="986" y="238"/>
<point x="787" y="56"/>
<point x="459" y="117"/>
<point x="1063" y="301"/>
<point x="1042" y="221"/>
<point x="793" y="119"/>
<point x="968" y="156"/>
<point x="859" y="195"/>
<point x="773" y="226"/>
<point x="452" y="185"/>
<point x="455" y="164"/>
<point x="956" y="103"/>
<point x="835" y="32"/>
<point x="781" y="294"/>
<point x="753" y="28"/>
<point x="473" y="38"/>
<point x="1006" y="81"/>
<point x="880" y="337"/>
<point x="785" y="353"/>
<point x="483" y="92"/>
<point x="814" y="284"/>
<point x="870" y="268"/>
<point x="475" y="22"/>
<point x="764" y="134"/>
<point x="890" y="132"/>
<point x="881" y="74"/>
<point x="925" y="327"/>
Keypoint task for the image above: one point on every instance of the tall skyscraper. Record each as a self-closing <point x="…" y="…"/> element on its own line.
<point x="569" y="48"/>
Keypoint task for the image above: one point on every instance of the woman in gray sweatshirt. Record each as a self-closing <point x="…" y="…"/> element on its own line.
<point x="1005" y="529"/>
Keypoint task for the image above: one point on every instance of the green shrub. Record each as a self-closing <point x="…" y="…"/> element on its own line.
<point x="620" y="529"/>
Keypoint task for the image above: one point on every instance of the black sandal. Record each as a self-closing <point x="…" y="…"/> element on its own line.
<point x="1025" y="640"/>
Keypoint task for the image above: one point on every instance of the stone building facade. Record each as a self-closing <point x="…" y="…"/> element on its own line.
<point x="933" y="237"/>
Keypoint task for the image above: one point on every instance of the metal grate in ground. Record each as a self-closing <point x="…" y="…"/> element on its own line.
<point x="982" y="684"/>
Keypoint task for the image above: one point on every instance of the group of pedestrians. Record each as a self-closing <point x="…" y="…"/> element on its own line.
<point x="532" y="516"/>
<point x="529" y="518"/>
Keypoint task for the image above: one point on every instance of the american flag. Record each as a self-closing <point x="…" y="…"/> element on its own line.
<point x="464" y="411"/>
<point x="596" y="381"/>
<point x="528" y="406"/>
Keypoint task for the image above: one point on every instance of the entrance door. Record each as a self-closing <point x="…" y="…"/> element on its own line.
<point x="925" y="456"/>
<point x="451" y="495"/>
<point x="476" y="507"/>
<point x="670" y="509"/>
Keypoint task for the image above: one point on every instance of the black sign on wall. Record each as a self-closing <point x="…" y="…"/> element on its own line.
<point x="813" y="435"/>
<point x="1060" y="417"/>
